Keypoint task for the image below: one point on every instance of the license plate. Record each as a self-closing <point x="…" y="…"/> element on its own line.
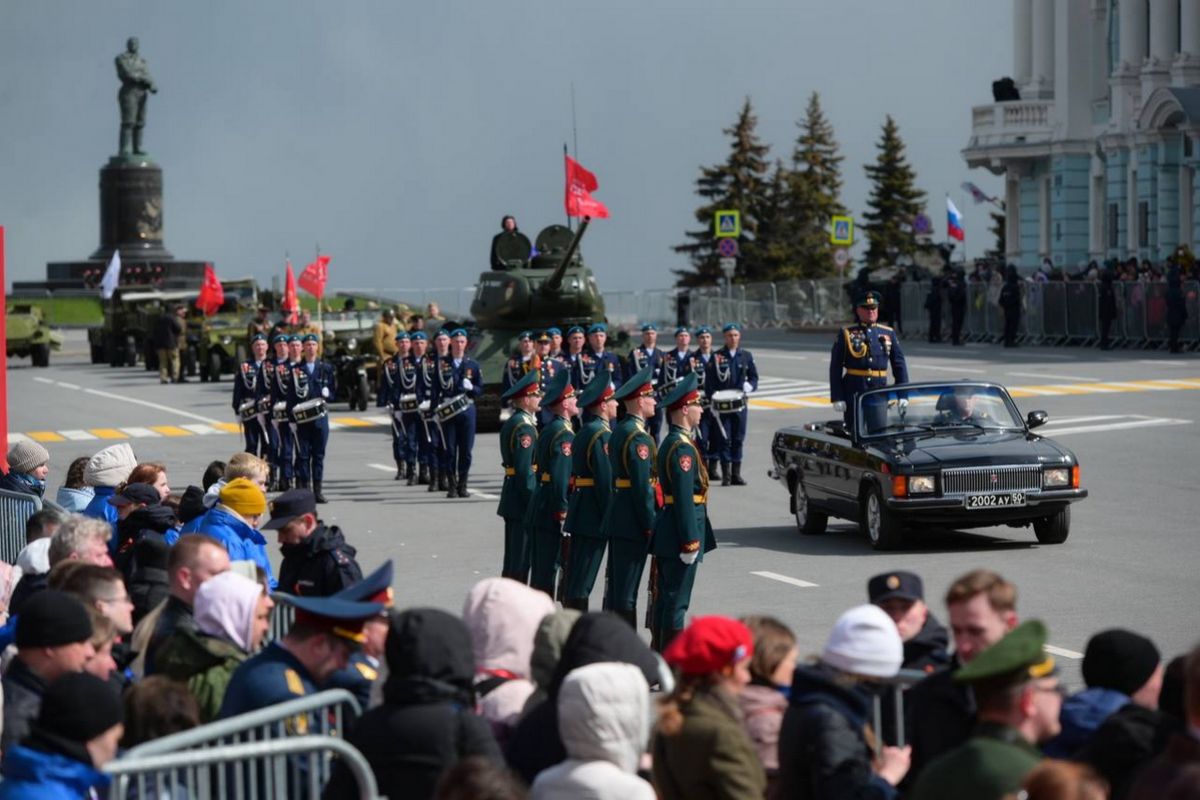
<point x="1006" y="500"/>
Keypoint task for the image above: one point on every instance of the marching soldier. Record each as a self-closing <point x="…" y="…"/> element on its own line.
<point x="399" y="378"/>
<point x="629" y="519"/>
<point x="572" y="354"/>
<point x="591" y="477"/>
<point x="519" y="363"/>
<point x="648" y="354"/>
<point x="274" y="393"/>
<point x="547" y="367"/>
<point x="424" y="366"/>
<point x="439" y="479"/>
<point x="518" y="437"/>
<point x="860" y="357"/>
<point x="249" y="387"/>
<point x="682" y="532"/>
<point x="548" y="509"/>
<point x="732" y="368"/>
<point x="312" y="379"/>
<point x="710" y="435"/>
<point x="458" y="375"/>
<point x="287" y="429"/>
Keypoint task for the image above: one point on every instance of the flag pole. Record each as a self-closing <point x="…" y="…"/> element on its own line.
<point x="566" y="177"/>
<point x="320" y="303"/>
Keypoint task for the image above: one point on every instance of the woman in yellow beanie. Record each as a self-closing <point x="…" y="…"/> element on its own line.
<point x="234" y="522"/>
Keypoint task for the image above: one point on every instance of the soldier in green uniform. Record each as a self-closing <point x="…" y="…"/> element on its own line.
<point x="544" y="518"/>
<point x="629" y="520"/>
<point x="1018" y="696"/>
<point x="517" y="438"/>
<point x="591" y="476"/>
<point x="682" y="532"/>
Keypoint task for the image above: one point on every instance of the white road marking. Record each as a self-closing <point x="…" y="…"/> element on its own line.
<point x="148" y="404"/>
<point x="13" y="438"/>
<point x="775" y="576"/>
<point x="1052" y="377"/>
<point x="76" y="435"/>
<point x="1154" y="361"/>
<point x="1061" y="651"/>
<point x="1119" y="426"/>
<point x="378" y="420"/>
<point x="40" y="379"/>
<point x="484" y="495"/>
<point x="68" y="385"/>
<point x="200" y="428"/>
<point x="946" y="369"/>
<point x="140" y="433"/>
<point x="382" y="467"/>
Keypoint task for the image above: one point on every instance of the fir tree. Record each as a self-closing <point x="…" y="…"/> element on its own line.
<point x="814" y="195"/>
<point x="894" y="200"/>
<point x="774" y="245"/>
<point x="738" y="184"/>
<point x="999" y="233"/>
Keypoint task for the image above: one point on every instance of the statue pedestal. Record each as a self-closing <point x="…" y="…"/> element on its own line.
<point x="131" y="210"/>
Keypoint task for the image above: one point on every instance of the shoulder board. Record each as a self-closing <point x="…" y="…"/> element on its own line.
<point x="295" y="683"/>
<point x="884" y="327"/>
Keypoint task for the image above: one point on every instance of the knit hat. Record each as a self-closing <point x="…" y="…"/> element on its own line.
<point x="1120" y="660"/>
<point x="243" y="496"/>
<point x="27" y="456"/>
<point x="708" y="645"/>
<point x="34" y="558"/>
<point x="111" y="466"/>
<point x="51" y="618"/>
<point x="865" y="641"/>
<point x="79" y="707"/>
<point x="191" y="505"/>
<point x="225" y="605"/>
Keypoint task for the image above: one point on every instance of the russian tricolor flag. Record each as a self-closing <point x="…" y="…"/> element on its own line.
<point x="954" y="228"/>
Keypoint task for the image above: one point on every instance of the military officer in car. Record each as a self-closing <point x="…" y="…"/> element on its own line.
<point x="860" y="358"/>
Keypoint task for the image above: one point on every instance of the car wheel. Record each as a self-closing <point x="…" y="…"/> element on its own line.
<point x="214" y="366"/>
<point x="130" y="358"/>
<point x="808" y="521"/>
<point x="39" y="355"/>
<point x="1054" y="528"/>
<point x="364" y="392"/>
<point x="881" y="527"/>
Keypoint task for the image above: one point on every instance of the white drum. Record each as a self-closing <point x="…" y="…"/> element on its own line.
<point x="247" y="410"/>
<point x="409" y="403"/>
<point x="453" y="407"/>
<point x="279" y="411"/>
<point x="729" y="401"/>
<point x="309" y="410"/>
<point x="425" y="410"/>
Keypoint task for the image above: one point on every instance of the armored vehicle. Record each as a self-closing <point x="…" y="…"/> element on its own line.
<point x="219" y="343"/>
<point x="128" y="323"/>
<point x="29" y="334"/>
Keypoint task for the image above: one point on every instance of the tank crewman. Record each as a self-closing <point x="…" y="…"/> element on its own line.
<point x="397" y="374"/>
<point x="519" y="363"/>
<point x="439" y="479"/>
<point x="459" y="375"/>
<point x="260" y="324"/>
<point x="312" y="379"/>
<point x="682" y="532"/>
<point x="629" y="519"/>
<point x="275" y="393"/>
<point x="547" y="367"/>
<point x="384" y="335"/>
<point x="326" y="633"/>
<point x="249" y="386"/>
<point x="648" y="354"/>
<point x="518" y="437"/>
<point x="860" y="357"/>
<point x="363" y="670"/>
<point x="591" y="477"/>
<point x="572" y="355"/>
<point x="710" y="434"/>
<point x="548" y="509"/>
<point x="423" y="366"/>
<point x="732" y="368"/>
<point x="556" y="342"/>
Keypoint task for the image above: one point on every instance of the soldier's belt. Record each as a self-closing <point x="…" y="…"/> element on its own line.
<point x="547" y="477"/>
<point x="867" y="373"/>
<point x="585" y="481"/>
<point x="510" y="472"/>
<point x="625" y="483"/>
<point x="698" y="499"/>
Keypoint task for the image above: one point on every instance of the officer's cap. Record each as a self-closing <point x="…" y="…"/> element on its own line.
<point x="279" y="337"/>
<point x="574" y="329"/>
<point x="1017" y="658"/>
<point x="595" y="392"/>
<point x="597" y="327"/>
<point x="649" y="326"/>
<point x="375" y="588"/>
<point x="731" y="326"/>
<point x="544" y="338"/>
<point x="685" y="392"/>
<point x="310" y="337"/>
<point x="525" y="335"/>
<point x="637" y="386"/>
<point x="402" y="335"/>
<point x="528" y="385"/>
<point x="868" y="299"/>
<point x="258" y="337"/>
<point x="905" y="585"/>
<point x="289" y="505"/>
<point x="419" y="336"/>
<point x="560" y="389"/>
<point x="338" y="616"/>
<point x="554" y="331"/>
<point x="682" y="329"/>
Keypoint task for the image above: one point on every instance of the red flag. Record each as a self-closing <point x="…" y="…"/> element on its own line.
<point x="312" y="280"/>
<point x="580" y="185"/>
<point x="290" y="304"/>
<point x="211" y="294"/>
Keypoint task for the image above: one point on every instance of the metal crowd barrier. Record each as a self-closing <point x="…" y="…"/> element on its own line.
<point x="15" y="510"/>
<point x="282" y="617"/>
<point x="903" y="681"/>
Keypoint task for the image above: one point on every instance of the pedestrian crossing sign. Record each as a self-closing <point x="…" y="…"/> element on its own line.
<point x="727" y="223"/>
<point x="841" y="231"/>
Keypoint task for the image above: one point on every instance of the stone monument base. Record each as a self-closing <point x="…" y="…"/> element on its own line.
<point x="131" y="209"/>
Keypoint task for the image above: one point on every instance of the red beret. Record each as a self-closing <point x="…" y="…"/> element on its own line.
<point x="708" y="645"/>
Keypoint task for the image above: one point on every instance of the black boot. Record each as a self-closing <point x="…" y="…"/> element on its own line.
<point x="302" y="483"/>
<point x="423" y="476"/>
<point x="462" y="486"/>
<point x="714" y="469"/>
<point x="451" y="488"/>
<point x="433" y="480"/>
<point x="320" y="498"/>
<point x="737" y="474"/>
<point x="444" y="480"/>
<point x="726" y="472"/>
<point x="411" y="472"/>
<point x="399" y="471"/>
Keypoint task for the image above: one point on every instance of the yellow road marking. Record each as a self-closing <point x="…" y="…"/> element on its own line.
<point x="170" y="430"/>
<point x="231" y="427"/>
<point x="771" y="404"/>
<point x="107" y="433"/>
<point x="352" y="422"/>
<point x="45" y="436"/>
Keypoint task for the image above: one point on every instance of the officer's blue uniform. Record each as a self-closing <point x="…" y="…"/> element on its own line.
<point x="516" y="366"/>
<point x="724" y="371"/>
<point x="859" y="361"/>
<point x="399" y="379"/>
<point x="459" y="430"/>
<point x="572" y="361"/>
<point x="274" y="394"/>
<point x="548" y="368"/>
<point x="311" y="381"/>
<point x="429" y="439"/>
<point x="250" y="385"/>
<point x="640" y="357"/>
<point x="287" y="429"/>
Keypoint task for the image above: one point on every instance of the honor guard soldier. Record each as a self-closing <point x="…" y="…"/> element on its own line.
<point x="732" y="369"/>
<point x="459" y="379"/>
<point x="548" y="509"/>
<point x="677" y="362"/>
<point x="591" y="477"/>
<point x="439" y="478"/>
<point x="518" y="437"/>
<point x="400" y="379"/>
<point x="425" y="363"/>
<point x="274" y="393"/>
<point x="629" y="518"/>
<point x="547" y="367"/>
<point x="644" y="355"/>
<point x="313" y="385"/>
<point x="519" y="363"/>
<point x="287" y="429"/>
<point x="860" y="357"/>
<point x="326" y="633"/>
<point x="363" y="670"/>
<point x="682" y="532"/>
<point x="556" y="342"/>
<point x="572" y="355"/>
<point x="710" y="435"/>
<point x="249" y="388"/>
<point x="601" y="360"/>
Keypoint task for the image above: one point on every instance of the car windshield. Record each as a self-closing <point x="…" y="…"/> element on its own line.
<point x="924" y="409"/>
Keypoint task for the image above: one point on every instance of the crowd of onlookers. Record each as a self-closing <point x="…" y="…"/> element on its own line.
<point x="128" y="617"/>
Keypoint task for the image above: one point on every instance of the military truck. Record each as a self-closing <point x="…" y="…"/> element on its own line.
<point x="129" y="318"/>
<point x="29" y="334"/>
<point x="221" y="341"/>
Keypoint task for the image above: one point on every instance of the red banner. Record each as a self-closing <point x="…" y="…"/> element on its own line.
<point x="211" y="294"/>
<point x="291" y="303"/>
<point x="312" y="280"/>
<point x="580" y="185"/>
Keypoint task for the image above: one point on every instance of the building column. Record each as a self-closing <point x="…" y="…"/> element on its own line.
<point x="1023" y="42"/>
<point x="1164" y="34"/>
<point x="1132" y="21"/>
<point x="1041" y="81"/>
<point x="1186" y="69"/>
<point x="1012" y="216"/>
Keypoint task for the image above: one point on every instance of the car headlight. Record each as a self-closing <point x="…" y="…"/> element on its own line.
<point x="920" y="484"/>
<point x="226" y="340"/>
<point x="1059" y="476"/>
<point x="352" y="344"/>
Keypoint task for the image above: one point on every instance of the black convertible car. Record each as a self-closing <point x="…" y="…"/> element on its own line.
<point x="929" y="455"/>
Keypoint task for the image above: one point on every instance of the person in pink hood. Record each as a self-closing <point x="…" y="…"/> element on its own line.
<point x="503" y="616"/>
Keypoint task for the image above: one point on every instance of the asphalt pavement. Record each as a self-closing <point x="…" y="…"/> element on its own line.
<point x="1132" y="418"/>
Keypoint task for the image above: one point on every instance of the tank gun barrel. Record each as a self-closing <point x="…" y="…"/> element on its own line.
<point x="554" y="282"/>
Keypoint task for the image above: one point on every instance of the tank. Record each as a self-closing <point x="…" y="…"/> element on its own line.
<point x="528" y="289"/>
<point x="30" y="335"/>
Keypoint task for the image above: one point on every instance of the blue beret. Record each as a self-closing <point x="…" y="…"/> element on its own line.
<point x="458" y="332"/>
<point x="649" y="326"/>
<point x="310" y="337"/>
<point x="574" y="329"/>
<point x="554" y="331"/>
<point x="704" y="329"/>
<point x="731" y="326"/>
<point x="597" y="327"/>
<point x="682" y="329"/>
<point x="419" y="336"/>
<point x="442" y="332"/>
<point x="279" y="337"/>
<point x="294" y="338"/>
<point x="258" y="337"/>
<point x="525" y="335"/>
<point x="402" y="335"/>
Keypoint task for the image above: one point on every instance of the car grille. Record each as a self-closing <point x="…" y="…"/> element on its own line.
<point x="985" y="480"/>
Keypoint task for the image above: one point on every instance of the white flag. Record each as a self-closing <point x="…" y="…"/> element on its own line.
<point x="108" y="284"/>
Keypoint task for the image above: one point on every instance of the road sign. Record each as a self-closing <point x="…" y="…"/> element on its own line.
<point x="841" y="256"/>
<point x="727" y="247"/>
<point x="922" y="225"/>
<point x="841" y="231"/>
<point x="727" y="223"/>
<point x="728" y="266"/>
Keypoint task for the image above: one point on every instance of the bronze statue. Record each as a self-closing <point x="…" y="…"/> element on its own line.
<point x="135" y="82"/>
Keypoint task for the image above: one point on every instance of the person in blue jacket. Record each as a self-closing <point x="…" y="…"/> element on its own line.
<point x="233" y="522"/>
<point x="105" y="471"/>
<point x="458" y="375"/>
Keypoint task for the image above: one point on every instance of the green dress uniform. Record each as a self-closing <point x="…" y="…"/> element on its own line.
<point x="629" y="520"/>
<point x="545" y="515"/>
<point x="517" y="438"/>
<point x="591" y="476"/>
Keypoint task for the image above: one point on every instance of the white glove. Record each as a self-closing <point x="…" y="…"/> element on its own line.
<point x="839" y="405"/>
<point x="325" y="392"/>
<point x="902" y="402"/>
<point x="467" y="385"/>
<point x="747" y="388"/>
<point x="566" y="534"/>
<point x="689" y="558"/>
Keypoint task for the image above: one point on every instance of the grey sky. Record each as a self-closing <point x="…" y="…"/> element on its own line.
<point x="397" y="134"/>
